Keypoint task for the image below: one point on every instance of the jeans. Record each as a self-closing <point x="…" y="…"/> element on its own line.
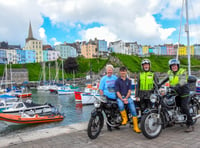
<point x="131" y="106"/>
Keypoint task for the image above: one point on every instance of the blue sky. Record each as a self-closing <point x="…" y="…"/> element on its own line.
<point x="149" y="22"/>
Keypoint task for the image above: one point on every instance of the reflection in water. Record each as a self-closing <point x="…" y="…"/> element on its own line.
<point x="73" y="112"/>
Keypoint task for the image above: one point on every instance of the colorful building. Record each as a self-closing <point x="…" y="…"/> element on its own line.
<point x="163" y="50"/>
<point x="182" y="50"/>
<point x="192" y="50"/>
<point x="66" y="51"/>
<point x="140" y="50"/>
<point x="3" y="59"/>
<point x="170" y="49"/>
<point x="145" y="50"/>
<point x="151" y="50"/>
<point x="25" y="56"/>
<point x="157" y="50"/>
<point x="102" y="46"/>
<point x="45" y="55"/>
<point x="21" y="58"/>
<point x="89" y="50"/>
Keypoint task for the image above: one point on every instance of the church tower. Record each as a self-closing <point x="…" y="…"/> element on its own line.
<point x="34" y="44"/>
<point x="30" y="34"/>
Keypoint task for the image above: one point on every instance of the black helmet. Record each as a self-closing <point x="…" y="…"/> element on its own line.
<point x="146" y="61"/>
<point x="174" y="62"/>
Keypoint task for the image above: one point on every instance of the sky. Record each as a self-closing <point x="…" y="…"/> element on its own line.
<point x="149" y="22"/>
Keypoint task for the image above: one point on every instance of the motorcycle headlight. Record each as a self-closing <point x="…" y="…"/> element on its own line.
<point x="153" y="98"/>
<point x="97" y="104"/>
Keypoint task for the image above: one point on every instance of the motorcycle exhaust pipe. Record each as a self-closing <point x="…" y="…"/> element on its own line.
<point x="111" y="125"/>
<point x="196" y="117"/>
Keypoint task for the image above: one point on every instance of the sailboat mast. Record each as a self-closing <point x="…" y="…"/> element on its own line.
<point x="49" y="74"/>
<point x="62" y="73"/>
<point x="188" y="35"/>
<point x="44" y="74"/>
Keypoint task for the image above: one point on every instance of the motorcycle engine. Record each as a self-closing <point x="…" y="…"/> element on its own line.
<point x="169" y="101"/>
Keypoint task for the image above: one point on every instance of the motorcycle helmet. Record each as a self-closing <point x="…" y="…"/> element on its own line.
<point x="145" y="61"/>
<point x="174" y="62"/>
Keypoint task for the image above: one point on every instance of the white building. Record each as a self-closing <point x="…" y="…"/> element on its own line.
<point x="53" y="55"/>
<point x="11" y="56"/>
<point x="131" y="48"/>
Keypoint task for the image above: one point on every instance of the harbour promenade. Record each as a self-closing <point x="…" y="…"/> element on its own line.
<point x="75" y="136"/>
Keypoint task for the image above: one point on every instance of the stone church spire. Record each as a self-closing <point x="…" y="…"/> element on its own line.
<point x="30" y="34"/>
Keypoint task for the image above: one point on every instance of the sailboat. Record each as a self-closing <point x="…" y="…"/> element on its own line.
<point x="45" y="86"/>
<point x="66" y="88"/>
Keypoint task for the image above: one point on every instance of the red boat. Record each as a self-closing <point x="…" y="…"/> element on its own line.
<point x="24" y="95"/>
<point x="26" y="119"/>
<point x="77" y="95"/>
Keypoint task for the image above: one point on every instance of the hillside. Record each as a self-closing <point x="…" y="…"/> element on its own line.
<point x="35" y="69"/>
<point x="133" y="63"/>
<point x="159" y="63"/>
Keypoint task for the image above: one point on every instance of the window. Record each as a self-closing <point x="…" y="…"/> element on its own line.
<point x="20" y="105"/>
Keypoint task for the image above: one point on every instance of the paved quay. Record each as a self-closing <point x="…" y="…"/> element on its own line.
<point x="75" y="136"/>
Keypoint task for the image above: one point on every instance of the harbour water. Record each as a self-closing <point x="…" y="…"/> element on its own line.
<point x="74" y="113"/>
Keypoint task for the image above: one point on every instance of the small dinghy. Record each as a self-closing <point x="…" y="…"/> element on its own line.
<point x="25" y="118"/>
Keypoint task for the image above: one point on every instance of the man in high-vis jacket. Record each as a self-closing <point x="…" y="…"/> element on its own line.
<point x="178" y="79"/>
<point x="145" y="84"/>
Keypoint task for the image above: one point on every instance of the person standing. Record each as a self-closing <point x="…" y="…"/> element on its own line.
<point x="145" y="84"/>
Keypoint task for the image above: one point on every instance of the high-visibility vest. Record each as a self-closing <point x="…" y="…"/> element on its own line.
<point x="146" y="80"/>
<point x="174" y="77"/>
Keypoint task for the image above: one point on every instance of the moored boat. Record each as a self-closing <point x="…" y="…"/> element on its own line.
<point x="29" y="106"/>
<point x="24" y="95"/>
<point x="27" y="119"/>
<point x="67" y="89"/>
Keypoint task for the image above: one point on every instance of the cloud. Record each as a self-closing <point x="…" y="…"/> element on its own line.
<point x="101" y="33"/>
<point x="15" y="16"/>
<point x="195" y="33"/>
<point x="43" y="35"/>
<point x="130" y="20"/>
<point x="54" y="41"/>
<point x="165" y="33"/>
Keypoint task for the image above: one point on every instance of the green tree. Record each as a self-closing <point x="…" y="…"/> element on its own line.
<point x="70" y="65"/>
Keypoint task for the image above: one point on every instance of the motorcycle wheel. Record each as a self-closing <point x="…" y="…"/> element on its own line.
<point x="95" y="125"/>
<point x="151" y="125"/>
<point x="193" y="112"/>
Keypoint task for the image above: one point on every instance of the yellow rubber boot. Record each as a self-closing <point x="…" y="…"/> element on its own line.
<point x="124" y="117"/>
<point x="135" y="125"/>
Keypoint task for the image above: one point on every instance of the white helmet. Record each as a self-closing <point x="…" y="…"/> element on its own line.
<point x="145" y="61"/>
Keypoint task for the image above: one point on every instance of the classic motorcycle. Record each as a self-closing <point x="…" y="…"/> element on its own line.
<point x="112" y="115"/>
<point x="167" y="113"/>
